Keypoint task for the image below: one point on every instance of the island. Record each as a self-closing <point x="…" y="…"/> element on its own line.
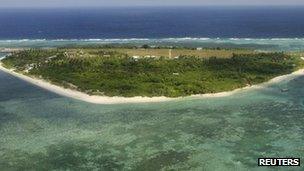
<point x="149" y="72"/>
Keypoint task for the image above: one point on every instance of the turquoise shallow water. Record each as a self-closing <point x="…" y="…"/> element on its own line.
<point x="40" y="130"/>
<point x="263" y="44"/>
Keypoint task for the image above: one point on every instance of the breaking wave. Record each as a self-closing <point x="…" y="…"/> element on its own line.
<point x="256" y="43"/>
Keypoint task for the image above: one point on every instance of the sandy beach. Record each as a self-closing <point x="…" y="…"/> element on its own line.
<point x="120" y="100"/>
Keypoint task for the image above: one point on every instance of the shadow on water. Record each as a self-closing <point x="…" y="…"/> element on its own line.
<point x="84" y="156"/>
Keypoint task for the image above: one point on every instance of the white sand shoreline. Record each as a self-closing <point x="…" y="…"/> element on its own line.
<point x="121" y="100"/>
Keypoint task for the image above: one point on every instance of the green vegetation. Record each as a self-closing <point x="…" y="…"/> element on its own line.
<point x="112" y="72"/>
<point x="146" y="50"/>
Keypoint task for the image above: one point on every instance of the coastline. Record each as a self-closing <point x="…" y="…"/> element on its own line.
<point x="138" y="99"/>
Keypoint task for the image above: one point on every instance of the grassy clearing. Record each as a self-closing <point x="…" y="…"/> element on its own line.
<point x="165" y="52"/>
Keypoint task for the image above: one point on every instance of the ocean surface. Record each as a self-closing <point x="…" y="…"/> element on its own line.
<point x="260" y="28"/>
<point x="152" y="22"/>
<point x="40" y="130"/>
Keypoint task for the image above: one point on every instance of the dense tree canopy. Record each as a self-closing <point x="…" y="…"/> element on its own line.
<point x="116" y="74"/>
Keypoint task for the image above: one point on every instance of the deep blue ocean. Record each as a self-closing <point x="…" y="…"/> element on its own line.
<point x="152" y="22"/>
